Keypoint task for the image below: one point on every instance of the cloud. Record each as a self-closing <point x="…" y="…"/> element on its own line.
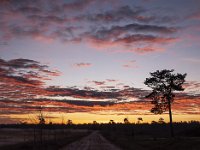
<point x="183" y="105"/>
<point x="21" y="99"/>
<point x="192" y="60"/>
<point x="128" y="14"/>
<point x="116" y="27"/>
<point x="98" y="82"/>
<point x="135" y="27"/>
<point x="192" y="87"/>
<point x="130" y="37"/>
<point x="21" y="78"/>
<point x="111" y="80"/>
<point x="130" y="64"/>
<point x="120" y="94"/>
<point x="77" y="5"/>
<point x="82" y="65"/>
<point x="122" y="13"/>
<point x="195" y="16"/>
<point x="144" y="38"/>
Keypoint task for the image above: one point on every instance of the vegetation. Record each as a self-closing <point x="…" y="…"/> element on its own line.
<point x="164" y="83"/>
<point x="125" y="135"/>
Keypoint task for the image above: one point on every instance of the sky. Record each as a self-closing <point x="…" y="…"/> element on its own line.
<point x="87" y="60"/>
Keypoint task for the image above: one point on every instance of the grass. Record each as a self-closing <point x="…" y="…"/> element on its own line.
<point x="52" y="143"/>
<point x="142" y="142"/>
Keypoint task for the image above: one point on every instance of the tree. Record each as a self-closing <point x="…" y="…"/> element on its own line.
<point x="41" y="117"/>
<point x="95" y="122"/>
<point x="163" y="84"/>
<point x="126" y="121"/>
<point x="41" y="123"/>
<point x="111" y="122"/>
<point x="139" y="119"/>
<point x="69" y="122"/>
<point x="161" y="120"/>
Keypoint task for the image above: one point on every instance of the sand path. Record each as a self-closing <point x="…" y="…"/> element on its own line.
<point x="94" y="141"/>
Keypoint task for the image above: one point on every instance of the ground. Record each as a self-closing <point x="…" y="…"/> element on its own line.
<point x="95" y="141"/>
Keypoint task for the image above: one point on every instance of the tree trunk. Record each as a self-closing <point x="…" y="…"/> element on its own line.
<point x="170" y="119"/>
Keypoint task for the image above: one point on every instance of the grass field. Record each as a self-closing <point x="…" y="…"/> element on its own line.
<point x="125" y="136"/>
<point x="23" y="139"/>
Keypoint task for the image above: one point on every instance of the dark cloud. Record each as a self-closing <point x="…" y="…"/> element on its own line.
<point x="134" y="28"/>
<point x="98" y="95"/>
<point x="129" y="14"/>
<point x="98" y="82"/>
<point x="29" y="10"/>
<point x="49" y="20"/>
<point x="82" y="94"/>
<point x="77" y="5"/>
<point x="144" y="38"/>
<point x="21" y="78"/>
<point x="88" y="103"/>
<point x="122" y="13"/>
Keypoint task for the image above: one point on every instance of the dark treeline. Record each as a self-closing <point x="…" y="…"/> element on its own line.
<point x="155" y="129"/>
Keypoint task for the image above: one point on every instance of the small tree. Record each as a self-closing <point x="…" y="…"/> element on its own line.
<point x="139" y="119"/>
<point x="161" y="120"/>
<point x="164" y="83"/>
<point x="126" y="121"/>
<point x="95" y="122"/>
<point x="69" y="122"/>
<point x="111" y="122"/>
<point x="41" y="118"/>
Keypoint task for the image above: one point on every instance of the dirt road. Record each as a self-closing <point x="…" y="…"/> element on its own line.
<point x="95" y="141"/>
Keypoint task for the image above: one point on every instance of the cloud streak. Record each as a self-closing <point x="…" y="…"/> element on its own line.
<point x="82" y="65"/>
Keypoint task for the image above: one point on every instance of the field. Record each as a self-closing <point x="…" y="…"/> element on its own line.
<point x="154" y="137"/>
<point x="30" y="138"/>
<point x="100" y="136"/>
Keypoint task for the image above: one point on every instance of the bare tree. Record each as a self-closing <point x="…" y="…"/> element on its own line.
<point x="41" y="124"/>
<point x="163" y="84"/>
<point x="41" y="117"/>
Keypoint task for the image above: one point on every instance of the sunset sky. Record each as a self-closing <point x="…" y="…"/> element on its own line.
<point x="87" y="60"/>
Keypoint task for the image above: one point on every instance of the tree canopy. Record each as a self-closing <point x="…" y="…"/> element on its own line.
<point x="163" y="84"/>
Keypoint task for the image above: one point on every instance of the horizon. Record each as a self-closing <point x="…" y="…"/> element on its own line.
<point x="87" y="60"/>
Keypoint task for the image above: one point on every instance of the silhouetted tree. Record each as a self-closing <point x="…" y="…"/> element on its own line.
<point x="153" y="122"/>
<point x="95" y="122"/>
<point x="126" y="121"/>
<point x="164" y="83"/>
<point x="161" y="120"/>
<point x="69" y="122"/>
<point x="139" y="119"/>
<point x="111" y="122"/>
<point x="41" y="124"/>
<point x="41" y="118"/>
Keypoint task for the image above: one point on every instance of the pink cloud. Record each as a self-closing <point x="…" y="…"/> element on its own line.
<point x="130" y="64"/>
<point x="98" y="82"/>
<point x="111" y="80"/>
<point x="195" y="16"/>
